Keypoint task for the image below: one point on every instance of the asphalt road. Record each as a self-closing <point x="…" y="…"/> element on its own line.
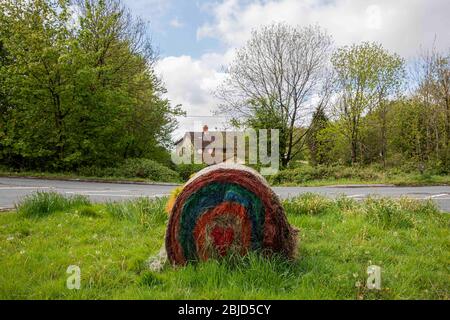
<point x="13" y="189"/>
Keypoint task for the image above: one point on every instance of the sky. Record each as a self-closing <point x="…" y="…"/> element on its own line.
<point x="197" y="39"/>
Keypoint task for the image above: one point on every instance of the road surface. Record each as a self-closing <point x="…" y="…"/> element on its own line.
<point x="13" y="189"/>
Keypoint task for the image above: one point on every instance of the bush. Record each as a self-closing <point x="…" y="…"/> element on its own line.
<point x="94" y="171"/>
<point x="148" y="169"/>
<point x="41" y="204"/>
<point x="187" y="170"/>
<point x="134" y="168"/>
<point x="306" y="173"/>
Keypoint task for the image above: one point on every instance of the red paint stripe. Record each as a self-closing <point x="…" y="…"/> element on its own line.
<point x="224" y="208"/>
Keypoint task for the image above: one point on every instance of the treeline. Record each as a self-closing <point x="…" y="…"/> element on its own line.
<point x="408" y="126"/>
<point x="354" y="105"/>
<point x="78" y="92"/>
<point x="77" y="86"/>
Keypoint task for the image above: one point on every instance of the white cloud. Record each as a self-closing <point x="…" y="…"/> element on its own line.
<point x="190" y="82"/>
<point x="176" y="23"/>
<point x="374" y="17"/>
<point x="401" y="26"/>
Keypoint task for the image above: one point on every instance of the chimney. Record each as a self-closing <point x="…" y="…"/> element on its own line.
<point x="205" y="134"/>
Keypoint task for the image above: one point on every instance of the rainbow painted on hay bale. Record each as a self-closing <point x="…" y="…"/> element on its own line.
<point x="227" y="208"/>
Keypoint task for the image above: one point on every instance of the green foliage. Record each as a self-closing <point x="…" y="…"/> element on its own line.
<point x="95" y="171"/>
<point x="133" y="168"/>
<point x="406" y="174"/>
<point x="306" y="173"/>
<point x="187" y="170"/>
<point x="416" y="136"/>
<point x="41" y="204"/>
<point x="317" y="139"/>
<point x="367" y="75"/>
<point x="78" y="96"/>
<point x="148" y="169"/>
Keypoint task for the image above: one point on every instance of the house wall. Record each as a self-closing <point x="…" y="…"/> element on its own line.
<point x="186" y="147"/>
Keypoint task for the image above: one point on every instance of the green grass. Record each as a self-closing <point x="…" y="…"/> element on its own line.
<point x="41" y="204"/>
<point x="132" y="169"/>
<point x="416" y="180"/>
<point x="303" y="176"/>
<point x="112" y="243"/>
<point x="306" y="175"/>
<point x="74" y="176"/>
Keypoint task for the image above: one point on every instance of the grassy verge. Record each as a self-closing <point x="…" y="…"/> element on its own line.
<point x="289" y="177"/>
<point x="74" y="176"/>
<point x="111" y="244"/>
<point x="411" y="181"/>
<point x="135" y="170"/>
<point x="306" y="175"/>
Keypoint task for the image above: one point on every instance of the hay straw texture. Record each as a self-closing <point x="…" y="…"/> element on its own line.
<point x="227" y="208"/>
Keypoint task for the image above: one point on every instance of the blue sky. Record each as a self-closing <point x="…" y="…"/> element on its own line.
<point x="197" y="38"/>
<point x="174" y="24"/>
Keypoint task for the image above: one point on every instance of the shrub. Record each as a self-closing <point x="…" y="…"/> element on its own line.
<point x="95" y="171"/>
<point x="41" y="204"/>
<point x="134" y="168"/>
<point x="187" y="170"/>
<point x="306" y="173"/>
<point x="148" y="169"/>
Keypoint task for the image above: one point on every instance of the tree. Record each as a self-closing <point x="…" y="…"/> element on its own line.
<point x="367" y="75"/>
<point x="37" y="43"/>
<point x="407" y="133"/>
<point x="319" y="147"/>
<point x="84" y="93"/>
<point x="442" y="92"/>
<point x="272" y="79"/>
<point x="432" y="90"/>
<point x="5" y="104"/>
<point x="390" y="76"/>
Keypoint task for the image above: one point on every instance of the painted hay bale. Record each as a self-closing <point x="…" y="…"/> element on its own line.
<point x="227" y="209"/>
